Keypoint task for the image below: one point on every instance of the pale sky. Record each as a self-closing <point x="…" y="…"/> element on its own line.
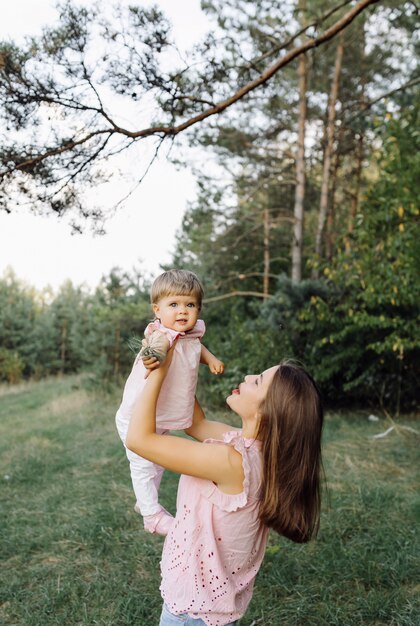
<point x="41" y="250"/>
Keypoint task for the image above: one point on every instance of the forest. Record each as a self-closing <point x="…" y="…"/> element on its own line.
<point x="301" y="123"/>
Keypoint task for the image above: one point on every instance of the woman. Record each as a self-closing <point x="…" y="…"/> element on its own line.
<point x="235" y="485"/>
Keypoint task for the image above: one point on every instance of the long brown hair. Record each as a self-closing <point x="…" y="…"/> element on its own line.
<point x="290" y="430"/>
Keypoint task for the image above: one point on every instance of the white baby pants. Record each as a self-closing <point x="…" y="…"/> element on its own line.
<point x="145" y="475"/>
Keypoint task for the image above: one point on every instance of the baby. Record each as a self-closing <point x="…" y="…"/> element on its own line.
<point x="176" y="298"/>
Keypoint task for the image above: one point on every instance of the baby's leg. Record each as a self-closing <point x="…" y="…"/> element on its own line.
<point x="121" y="422"/>
<point x="146" y="477"/>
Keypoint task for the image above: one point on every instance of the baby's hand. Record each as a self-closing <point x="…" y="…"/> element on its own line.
<point x="216" y="366"/>
<point x="150" y="363"/>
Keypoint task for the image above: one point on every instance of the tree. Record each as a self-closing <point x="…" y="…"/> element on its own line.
<point x="46" y="333"/>
<point x="67" y="317"/>
<point x="119" y="312"/>
<point x="297" y="241"/>
<point x="330" y="131"/>
<point x="258" y="150"/>
<point x="364" y="331"/>
<point x="366" y="86"/>
<point x="17" y="318"/>
<point x="73" y="102"/>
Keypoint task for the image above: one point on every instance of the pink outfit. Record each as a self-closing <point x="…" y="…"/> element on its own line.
<point x="176" y="400"/>
<point x="215" y="547"/>
<point x="174" y="408"/>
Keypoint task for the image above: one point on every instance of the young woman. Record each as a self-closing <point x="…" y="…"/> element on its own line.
<point x="235" y="485"/>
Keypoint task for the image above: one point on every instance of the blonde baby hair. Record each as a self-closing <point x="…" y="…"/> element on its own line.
<point x="176" y="282"/>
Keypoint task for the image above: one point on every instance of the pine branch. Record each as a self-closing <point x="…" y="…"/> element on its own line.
<point x="164" y="131"/>
<point x="329" y="34"/>
<point x="368" y="105"/>
<point x="235" y="294"/>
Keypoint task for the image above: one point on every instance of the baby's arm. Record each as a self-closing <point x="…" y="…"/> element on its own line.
<point x="214" y="365"/>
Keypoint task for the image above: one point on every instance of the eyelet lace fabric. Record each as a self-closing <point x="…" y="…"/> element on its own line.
<point x="216" y="545"/>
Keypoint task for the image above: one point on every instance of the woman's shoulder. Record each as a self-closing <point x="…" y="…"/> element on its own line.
<point x="243" y="458"/>
<point x="240" y="449"/>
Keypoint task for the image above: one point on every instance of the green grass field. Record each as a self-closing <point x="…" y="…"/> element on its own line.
<point x="74" y="553"/>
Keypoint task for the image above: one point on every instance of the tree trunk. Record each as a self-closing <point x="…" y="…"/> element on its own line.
<point x="266" y="277"/>
<point x="331" y="218"/>
<point x="354" y="205"/>
<point x="359" y="153"/>
<point x="117" y="351"/>
<point x="63" y="346"/>
<point x="323" y="206"/>
<point x="297" y="244"/>
<point x="329" y="238"/>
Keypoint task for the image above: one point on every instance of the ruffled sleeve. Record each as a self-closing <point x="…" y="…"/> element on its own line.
<point x="225" y="501"/>
<point x="156" y="325"/>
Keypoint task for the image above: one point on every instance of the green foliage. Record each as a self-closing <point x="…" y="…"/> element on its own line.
<point x="11" y="366"/>
<point x="45" y="333"/>
<point x="17" y="316"/>
<point x="67" y="320"/>
<point x="120" y="311"/>
<point x="255" y="335"/>
<point x="365" y="330"/>
<point x="357" y="328"/>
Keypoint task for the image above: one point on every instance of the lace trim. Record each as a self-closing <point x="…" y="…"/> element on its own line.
<point x="226" y="501"/>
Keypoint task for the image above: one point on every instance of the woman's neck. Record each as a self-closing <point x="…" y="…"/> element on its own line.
<point x="249" y="430"/>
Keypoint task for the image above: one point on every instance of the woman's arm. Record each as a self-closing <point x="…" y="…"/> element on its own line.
<point x="202" y="428"/>
<point x="217" y="462"/>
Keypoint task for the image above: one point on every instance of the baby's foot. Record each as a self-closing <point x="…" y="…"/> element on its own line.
<point x="159" y="523"/>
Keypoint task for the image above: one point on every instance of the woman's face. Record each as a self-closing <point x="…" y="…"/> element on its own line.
<point x="246" y="399"/>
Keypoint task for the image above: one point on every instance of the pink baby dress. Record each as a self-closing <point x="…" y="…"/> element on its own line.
<point x="176" y="400"/>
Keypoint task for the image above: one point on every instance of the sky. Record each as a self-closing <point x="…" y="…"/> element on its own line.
<point x="42" y="250"/>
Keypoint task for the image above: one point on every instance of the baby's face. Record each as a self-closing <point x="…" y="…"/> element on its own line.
<point x="177" y="312"/>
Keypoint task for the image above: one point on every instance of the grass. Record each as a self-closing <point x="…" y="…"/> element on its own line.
<point x="73" y="551"/>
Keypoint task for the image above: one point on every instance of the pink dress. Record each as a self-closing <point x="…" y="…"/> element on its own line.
<point x="216" y="545"/>
<point x="176" y="400"/>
